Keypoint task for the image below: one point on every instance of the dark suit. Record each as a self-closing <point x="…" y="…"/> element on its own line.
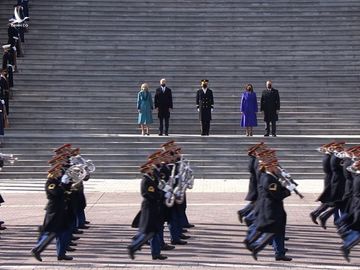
<point x="205" y="103"/>
<point x="163" y="101"/>
<point x="270" y="103"/>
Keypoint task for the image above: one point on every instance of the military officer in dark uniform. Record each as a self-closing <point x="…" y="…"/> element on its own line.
<point x="270" y="105"/>
<point x="150" y="217"/>
<point x="55" y="222"/>
<point x="205" y="105"/>
<point x="271" y="217"/>
<point x="164" y="104"/>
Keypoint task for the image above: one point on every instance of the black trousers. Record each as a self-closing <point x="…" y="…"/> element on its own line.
<point x="161" y="127"/>
<point x="273" y="127"/>
<point x="205" y="127"/>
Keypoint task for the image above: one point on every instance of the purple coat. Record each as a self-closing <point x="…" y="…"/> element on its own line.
<point x="249" y="108"/>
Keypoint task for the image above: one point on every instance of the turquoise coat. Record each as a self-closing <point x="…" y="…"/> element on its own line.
<point x="145" y="105"/>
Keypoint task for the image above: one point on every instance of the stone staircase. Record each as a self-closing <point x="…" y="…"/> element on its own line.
<point x="85" y="61"/>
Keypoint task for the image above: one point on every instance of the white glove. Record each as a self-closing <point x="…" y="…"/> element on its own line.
<point x="212" y="109"/>
<point x="168" y="195"/>
<point x="65" y="179"/>
<point x="2" y="101"/>
<point x="198" y="109"/>
<point x="167" y="188"/>
<point x="291" y="187"/>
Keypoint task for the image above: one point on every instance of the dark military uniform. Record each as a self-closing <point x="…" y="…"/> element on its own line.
<point x="205" y="103"/>
<point x="150" y="218"/>
<point x="252" y="191"/>
<point x="325" y="195"/>
<point x="271" y="215"/>
<point x="55" y="220"/>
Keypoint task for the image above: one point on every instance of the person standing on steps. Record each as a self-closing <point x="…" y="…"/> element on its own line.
<point x="248" y="109"/>
<point x="164" y="104"/>
<point x="205" y="105"/>
<point x="145" y="107"/>
<point x="270" y="105"/>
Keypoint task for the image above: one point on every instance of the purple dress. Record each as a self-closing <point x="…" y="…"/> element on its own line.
<point x="249" y="108"/>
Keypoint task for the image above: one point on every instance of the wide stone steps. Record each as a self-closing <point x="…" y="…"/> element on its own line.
<point x="85" y="60"/>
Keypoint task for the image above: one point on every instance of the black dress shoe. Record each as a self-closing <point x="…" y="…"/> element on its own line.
<point x="87" y="222"/>
<point x="240" y="216"/>
<point x="283" y="258"/>
<point x="78" y="232"/>
<point x="159" y="257"/>
<point x="274" y="135"/>
<point x="167" y="247"/>
<point x="266" y="135"/>
<point x="313" y="218"/>
<point x="183" y="236"/>
<point x="74" y="238"/>
<point x="131" y="253"/>
<point x="188" y="226"/>
<point x="36" y="255"/>
<point x="65" y="258"/>
<point x="160" y="134"/>
<point x="2" y="222"/>
<point x="72" y="244"/>
<point x="179" y="242"/>
<point x="184" y="231"/>
<point x="2" y="228"/>
<point x="70" y="249"/>
<point x="84" y="227"/>
<point x="346" y="253"/>
<point x="166" y="134"/>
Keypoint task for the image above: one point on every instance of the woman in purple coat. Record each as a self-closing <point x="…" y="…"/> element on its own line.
<point x="248" y="109"/>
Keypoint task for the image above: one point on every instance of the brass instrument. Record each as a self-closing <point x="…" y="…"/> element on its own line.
<point x="7" y="157"/>
<point x="288" y="182"/>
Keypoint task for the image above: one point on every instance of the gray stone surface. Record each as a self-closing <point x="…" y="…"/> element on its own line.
<point x="216" y="241"/>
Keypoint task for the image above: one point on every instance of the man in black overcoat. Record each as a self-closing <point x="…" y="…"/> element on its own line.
<point x="270" y="105"/>
<point x="205" y="105"/>
<point x="164" y="104"/>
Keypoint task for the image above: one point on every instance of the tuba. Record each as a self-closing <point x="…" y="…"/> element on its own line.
<point x="79" y="160"/>
<point x="76" y="172"/>
<point x="7" y="157"/>
<point x="186" y="180"/>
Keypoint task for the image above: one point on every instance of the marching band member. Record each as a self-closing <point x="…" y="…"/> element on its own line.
<point x="61" y="211"/>
<point x="252" y="190"/>
<point x="337" y="188"/>
<point x="271" y="216"/>
<point x="54" y="225"/>
<point x="324" y="197"/>
<point x="149" y="224"/>
<point x="352" y="235"/>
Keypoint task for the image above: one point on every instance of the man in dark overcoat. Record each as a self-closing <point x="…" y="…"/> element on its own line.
<point x="270" y="105"/>
<point x="205" y="105"/>
<point x="164" y="104"/>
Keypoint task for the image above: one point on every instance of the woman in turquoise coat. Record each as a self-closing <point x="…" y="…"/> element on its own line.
<point x="145" y="107"/>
